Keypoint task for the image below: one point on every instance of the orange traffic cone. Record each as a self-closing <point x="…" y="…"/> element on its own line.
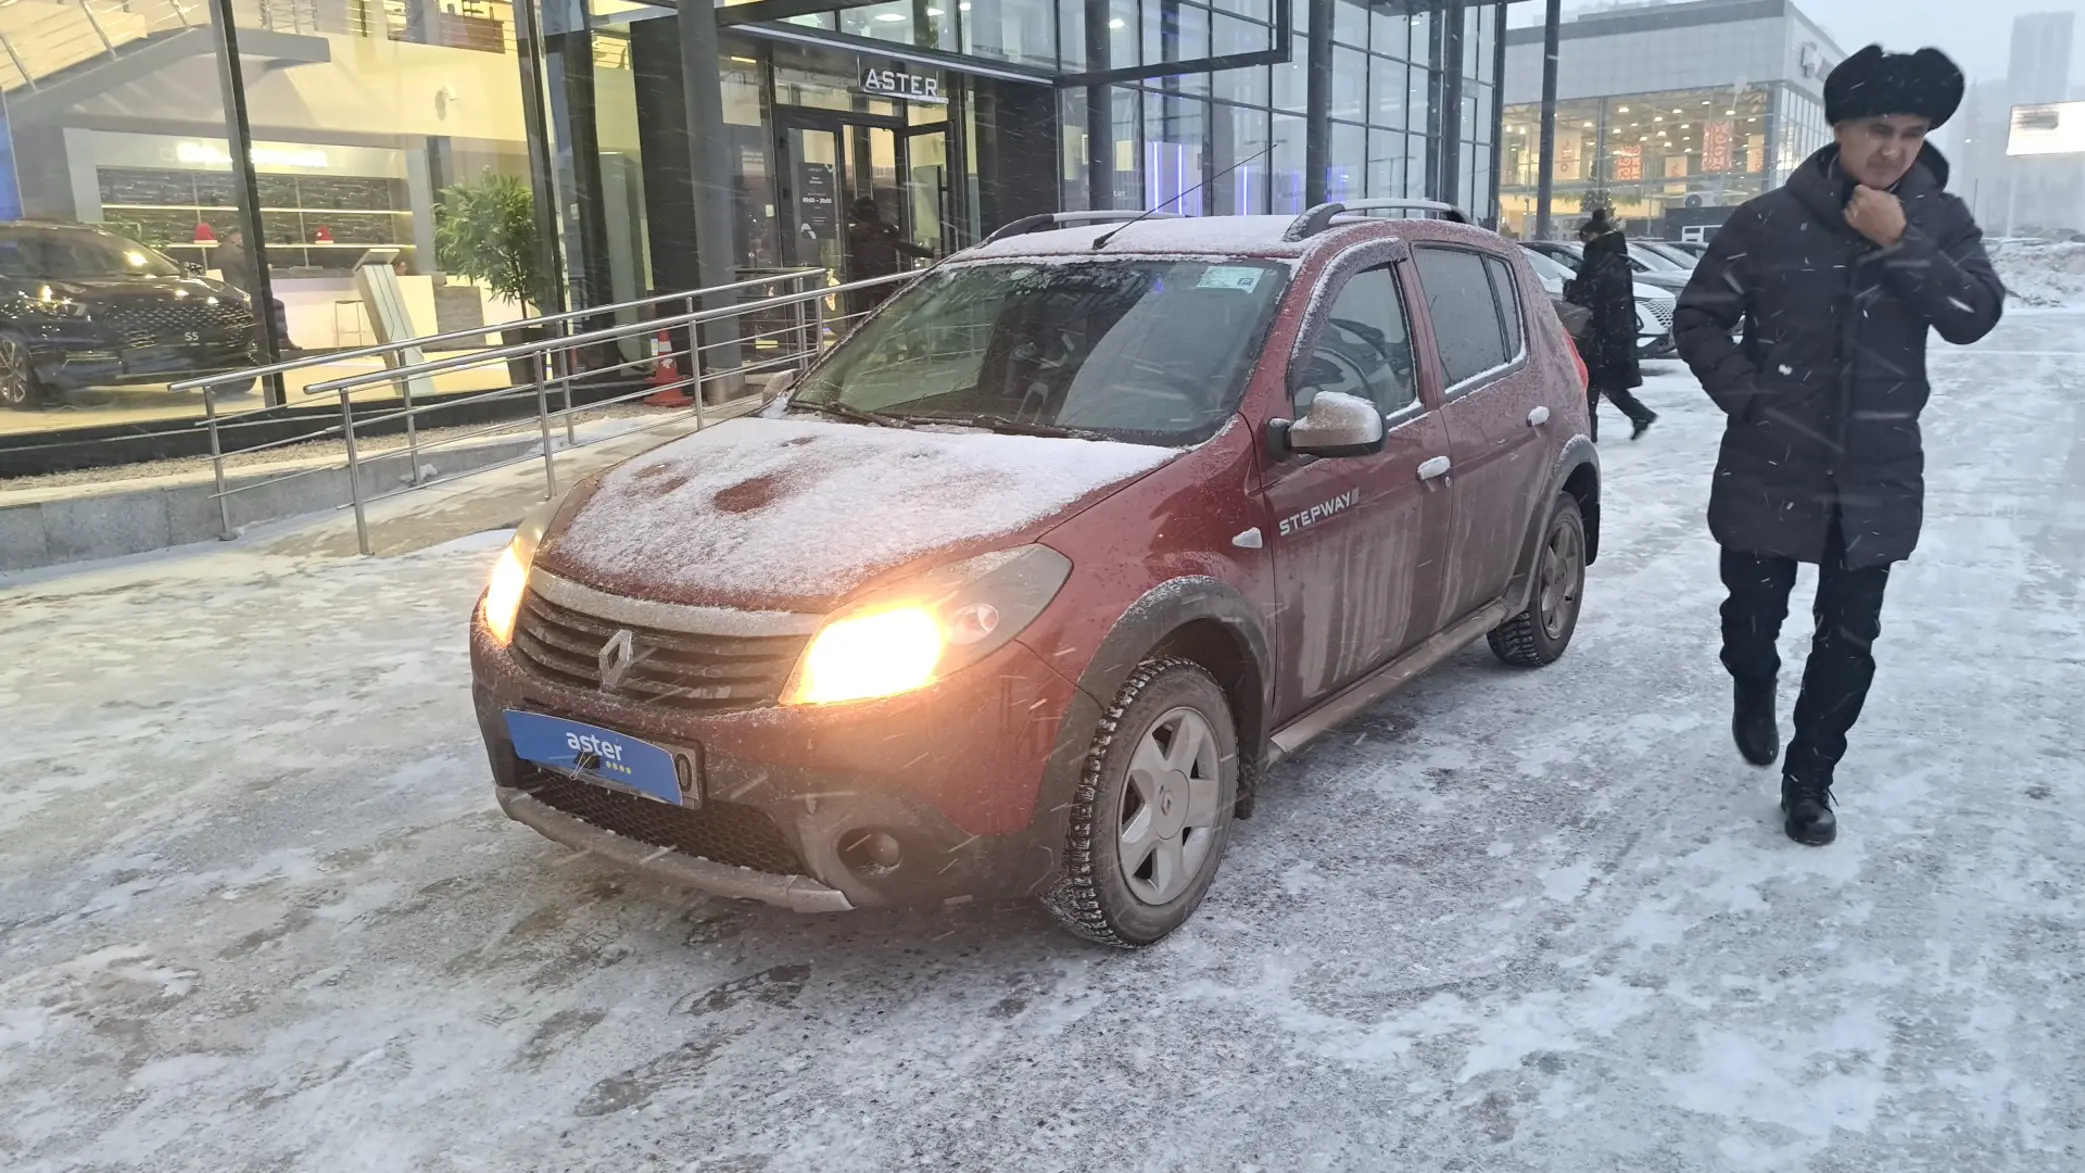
<point x="666" y="372"/>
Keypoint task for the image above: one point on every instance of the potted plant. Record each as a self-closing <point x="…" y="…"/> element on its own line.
<point x="485" y="230"/>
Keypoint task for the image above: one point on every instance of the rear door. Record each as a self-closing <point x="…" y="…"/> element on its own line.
<point x="1358" y="541"/>
<point x="1493" y="409"/>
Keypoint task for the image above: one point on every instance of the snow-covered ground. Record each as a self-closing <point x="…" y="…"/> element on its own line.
<point x="258" y="911"/>
<point x="2041" y="275"/>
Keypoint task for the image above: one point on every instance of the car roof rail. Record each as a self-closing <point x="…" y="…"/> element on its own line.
<point x="1318" y="219"/>
<point x="1047" y="220"/>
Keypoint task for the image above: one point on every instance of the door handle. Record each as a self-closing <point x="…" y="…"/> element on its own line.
<point x="1433" y="469"/>
<point x="1538" y="417"/>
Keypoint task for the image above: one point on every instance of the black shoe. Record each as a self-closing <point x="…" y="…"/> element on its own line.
<point x="1809" y="808"/>
<point x="1753" y="725"/>
<point x="1643" y="425"/>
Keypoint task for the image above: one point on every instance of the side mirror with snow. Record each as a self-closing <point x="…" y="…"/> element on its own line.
<point x="1337" y="424"/>
<point x="779" y="385"/>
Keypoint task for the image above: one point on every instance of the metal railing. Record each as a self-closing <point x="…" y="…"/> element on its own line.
<point x="691" y="359"/>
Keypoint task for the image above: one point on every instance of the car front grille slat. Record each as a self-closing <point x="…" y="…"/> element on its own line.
<point x="160" y="322"/>
<point x="724" y="832"/>
<point x="1661" y="309"/>
<point x="679" y="669"/>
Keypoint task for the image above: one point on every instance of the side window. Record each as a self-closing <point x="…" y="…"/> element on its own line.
<point x="1364" y="348"/>
<point x="1465" y="315"/>
<point x="1506" y="290"/>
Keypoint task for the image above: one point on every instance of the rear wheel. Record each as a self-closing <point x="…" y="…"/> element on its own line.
<point x="18" y="386"/>
<point x="1538" y="635"/>
<point x="1153" y="810"/>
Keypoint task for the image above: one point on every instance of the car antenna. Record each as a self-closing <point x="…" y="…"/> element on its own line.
<point x="1101" y="241"/>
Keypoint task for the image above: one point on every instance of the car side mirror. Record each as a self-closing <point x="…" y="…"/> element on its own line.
<point x="1337" y="424"/>
<point x="195" y="268"/>
<point x="779" y="385"/>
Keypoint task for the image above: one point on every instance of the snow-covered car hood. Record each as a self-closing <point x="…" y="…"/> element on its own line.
<point x="792" y="515"/>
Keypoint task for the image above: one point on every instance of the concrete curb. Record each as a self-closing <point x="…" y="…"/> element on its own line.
<point x="90" y="522"/>
<point x="101" y="521"/>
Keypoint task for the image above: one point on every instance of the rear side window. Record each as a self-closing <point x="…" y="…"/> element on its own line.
<point x="1465" y="313"/>
<point x="1506" y="290"/>
<point x="1363" y="348"/>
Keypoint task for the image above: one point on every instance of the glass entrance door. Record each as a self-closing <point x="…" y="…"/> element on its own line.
<point x="835" y="162"/>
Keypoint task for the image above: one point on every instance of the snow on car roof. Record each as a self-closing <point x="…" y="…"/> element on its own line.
<point x="1231" y="236"/>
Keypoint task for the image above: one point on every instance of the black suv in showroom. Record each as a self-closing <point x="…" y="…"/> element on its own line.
<point x="83" y="307"/>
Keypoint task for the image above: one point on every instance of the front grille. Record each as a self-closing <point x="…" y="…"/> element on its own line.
<point x="1661" y="309"/>
<point x="705" y="673"/>
<point x="153" y="323"/>
<point x="725" y="832"/>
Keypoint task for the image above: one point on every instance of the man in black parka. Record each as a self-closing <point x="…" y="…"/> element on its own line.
<point x="1837" y="277"/>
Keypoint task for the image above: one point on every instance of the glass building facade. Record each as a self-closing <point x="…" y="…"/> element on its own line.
<point x="359" y="119"/>
<point x="1669" y="114"/>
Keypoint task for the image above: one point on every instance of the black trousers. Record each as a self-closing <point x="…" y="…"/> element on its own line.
<point x="1621" y="397"/>
<point x="1848" y="611"/>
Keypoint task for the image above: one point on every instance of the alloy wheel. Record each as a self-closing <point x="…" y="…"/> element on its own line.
<point x="1562" y="578"/>
<point x="16" y="377"/>
<point x="1169" y="809"/>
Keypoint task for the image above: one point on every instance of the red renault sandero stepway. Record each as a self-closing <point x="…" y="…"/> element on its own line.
<point x="1018" y="590"/>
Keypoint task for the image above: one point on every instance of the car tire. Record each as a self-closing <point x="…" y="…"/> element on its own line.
<point x="19" y="389"/>
<point x="241" y="388"/>
<point x="1538" y="635"/>
<point x="1144" y="843"/>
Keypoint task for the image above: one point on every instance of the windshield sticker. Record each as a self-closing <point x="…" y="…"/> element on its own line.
<point x="1243" y="278"/>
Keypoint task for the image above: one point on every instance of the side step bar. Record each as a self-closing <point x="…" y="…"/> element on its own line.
<point x="1344" y="704"/>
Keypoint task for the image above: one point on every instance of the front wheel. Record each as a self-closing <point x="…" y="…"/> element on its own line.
<point x="18" y="387"/>
<point x="1152" y="813"/>
<point x="1538" y="635"/>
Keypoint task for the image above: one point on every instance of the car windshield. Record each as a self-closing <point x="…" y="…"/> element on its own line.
<point x="1678" y="256"/>
<point x="60" y="255"/>
<point x="1145" y="351"/>
<point x="1651" y="259"/>
<point x="1548" y="268"/>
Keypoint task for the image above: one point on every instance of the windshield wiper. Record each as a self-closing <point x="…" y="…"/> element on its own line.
<point x="1010" y="426"/>
<point x="857" y="415"/>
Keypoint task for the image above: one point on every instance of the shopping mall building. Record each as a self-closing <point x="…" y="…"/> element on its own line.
<point x="955" y="117"/>
<point x="1672" y="114"/>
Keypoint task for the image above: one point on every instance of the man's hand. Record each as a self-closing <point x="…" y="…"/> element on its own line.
<point x="1876" y="215"/>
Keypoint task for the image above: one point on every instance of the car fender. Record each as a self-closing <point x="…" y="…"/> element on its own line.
<point x="1578" y="453"/>
<point x="1164" y="611"/>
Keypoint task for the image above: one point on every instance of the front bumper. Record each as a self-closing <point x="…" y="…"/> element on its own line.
<point x="798" y="893"/>
<point x="973" y="777"/>
<point x="73" y="356"/>
<point x="1655" y="345"/>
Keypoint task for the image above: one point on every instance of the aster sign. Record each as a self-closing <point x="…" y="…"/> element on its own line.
<point x="897" y="83"/>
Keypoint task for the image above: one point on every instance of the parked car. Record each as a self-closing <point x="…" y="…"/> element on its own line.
<point x="83" y="307"/>
<point x="1020" y="588"/>
<point x="1649" y="268"/>
<point x="1693" y="248"/>
<point x="1654" y="306"/>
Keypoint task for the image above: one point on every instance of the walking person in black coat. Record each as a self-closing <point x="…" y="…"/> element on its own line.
<point x="1606" y="285"/>
<point x="1837" y="277"/>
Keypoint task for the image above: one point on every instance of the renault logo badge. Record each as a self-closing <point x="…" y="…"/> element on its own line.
<point x="616" y="658"/>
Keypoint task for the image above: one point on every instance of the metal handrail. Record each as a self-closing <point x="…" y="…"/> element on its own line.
<point x="794" y="342"/>
<point x="609" y="334"/>
<point x="425" y="341"/>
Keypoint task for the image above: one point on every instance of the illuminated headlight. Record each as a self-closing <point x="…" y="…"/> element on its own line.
<point x="52" y="305"/>
<point x="909" y="635"/>
<point x="510" y="573"/>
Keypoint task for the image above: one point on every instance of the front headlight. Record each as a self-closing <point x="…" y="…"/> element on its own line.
<point x="510" y="573"/>
<point x="911" y="634"/>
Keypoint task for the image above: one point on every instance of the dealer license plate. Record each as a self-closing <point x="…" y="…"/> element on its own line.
<point x="603" y="756"/>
